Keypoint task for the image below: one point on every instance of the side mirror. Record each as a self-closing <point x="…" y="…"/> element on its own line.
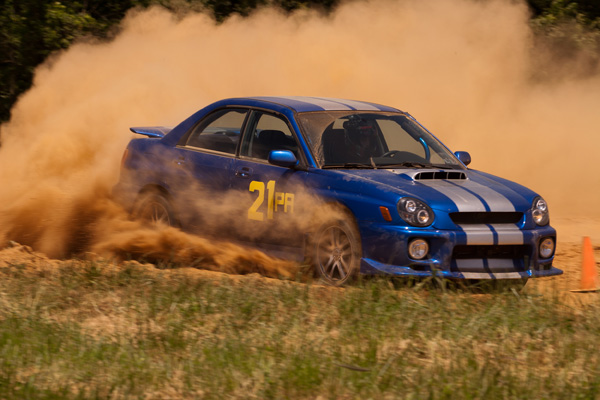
<point x="464" y="157"/>
<point x="282" y="158"/>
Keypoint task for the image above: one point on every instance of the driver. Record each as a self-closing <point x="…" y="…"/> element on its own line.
<point x="361" y="139"/>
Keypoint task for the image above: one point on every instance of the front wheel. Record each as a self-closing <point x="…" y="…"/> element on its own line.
<point x="337" y="252"/>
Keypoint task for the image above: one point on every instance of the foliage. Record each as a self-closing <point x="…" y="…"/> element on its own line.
<point x="572" y="30"/>
<point x="29" y="31"/>
<point x="561" y="12"/>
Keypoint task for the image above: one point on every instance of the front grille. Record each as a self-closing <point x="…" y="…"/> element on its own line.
<point x="511" y="251"/>
<point x="448" y="175"/>
<point x="464" y="218"/>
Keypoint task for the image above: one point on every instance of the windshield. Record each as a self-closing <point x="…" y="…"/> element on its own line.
<point x="354" y="139"/>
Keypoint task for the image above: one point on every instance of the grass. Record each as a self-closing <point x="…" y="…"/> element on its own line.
<point x="96" y="330"/>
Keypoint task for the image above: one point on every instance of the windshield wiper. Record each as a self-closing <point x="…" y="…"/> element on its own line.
<point x="348" y="165"/>
<point x="444" y="166"/>
<point x="412" y="164"/>
<point x="407" y="164"/>
<point x="373" y="163"/>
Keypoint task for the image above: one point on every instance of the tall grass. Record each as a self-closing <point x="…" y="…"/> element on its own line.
<point x="95" y="330"/>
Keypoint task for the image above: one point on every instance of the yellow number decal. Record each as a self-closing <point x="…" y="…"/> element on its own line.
<point x="279" y="200"/>
<point x="271" y="193"/>
<point x="274" y="199"/>
<point x="252" y="212"/>
<point x="289" y="202"/>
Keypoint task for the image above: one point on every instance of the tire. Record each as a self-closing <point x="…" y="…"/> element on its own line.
<point x="154" y="209"/>
<point x="336" y="252"/>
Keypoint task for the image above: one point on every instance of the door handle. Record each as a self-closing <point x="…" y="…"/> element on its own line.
<point x="243" y="172"/>
<point x="180" y="160"/>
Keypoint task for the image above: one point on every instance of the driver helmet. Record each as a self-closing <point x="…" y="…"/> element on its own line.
<point x="360" y="132"/>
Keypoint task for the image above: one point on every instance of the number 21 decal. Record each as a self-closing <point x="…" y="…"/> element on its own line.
<point x="276" y="201"/>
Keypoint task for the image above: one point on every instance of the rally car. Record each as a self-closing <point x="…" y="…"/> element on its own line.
<point x="347" y="186"/>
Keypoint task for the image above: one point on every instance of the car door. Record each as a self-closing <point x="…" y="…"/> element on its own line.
<point x="270" y="195"/>
<point x="204" y="158"/>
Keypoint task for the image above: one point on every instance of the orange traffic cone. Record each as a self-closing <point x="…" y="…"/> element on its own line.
<point x="589" y="273"/>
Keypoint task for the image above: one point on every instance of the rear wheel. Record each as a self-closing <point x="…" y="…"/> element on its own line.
<point x="336" y="252"/>
<point x="154" y="209"/>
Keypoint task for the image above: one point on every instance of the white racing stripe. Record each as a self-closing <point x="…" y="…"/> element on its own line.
<point x="507" y="275"/>
<point x="358" y="105"/>
<point x="508" y="234"/>
<point x="478" y="234"/>
<point x="326" y="104"/>
<point x="494" y="200"/>
<point x="478" y="264"/>
<point x="492" y="264"/>
<point x="463" y="200"/>
<point x="476" y="275"/>
<point x="500" y="275"/>
<point x="471" y="265"/>
<point x="483" y="234"/>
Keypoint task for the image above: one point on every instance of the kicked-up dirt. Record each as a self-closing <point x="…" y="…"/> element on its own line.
<point x="202" y="259"/>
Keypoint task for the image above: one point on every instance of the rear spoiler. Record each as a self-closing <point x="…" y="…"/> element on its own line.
<point x="152" y="131"/>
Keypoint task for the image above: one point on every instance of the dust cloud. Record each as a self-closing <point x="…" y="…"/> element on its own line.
<point x="466" y="69"/>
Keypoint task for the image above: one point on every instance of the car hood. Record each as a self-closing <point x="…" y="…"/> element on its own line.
<point x="448" y="190"/>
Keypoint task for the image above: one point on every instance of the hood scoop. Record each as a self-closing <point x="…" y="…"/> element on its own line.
<point x="436" y="175"/>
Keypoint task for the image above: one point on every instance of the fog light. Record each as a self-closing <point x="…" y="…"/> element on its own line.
<point x="546" y="248"/>
<point x="418" y="249"/>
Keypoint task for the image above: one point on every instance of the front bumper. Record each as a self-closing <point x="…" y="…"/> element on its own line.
<point x="501" y="251"/>
<point x="372" y="267"/>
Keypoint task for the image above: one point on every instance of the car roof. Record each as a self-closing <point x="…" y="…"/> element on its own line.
<point x="308" y="104"/>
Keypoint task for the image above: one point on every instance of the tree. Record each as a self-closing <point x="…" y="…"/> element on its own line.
<point x="571" y="29"/>
<point x="32" y="29"/>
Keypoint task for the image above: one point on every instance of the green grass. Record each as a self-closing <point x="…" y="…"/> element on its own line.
<point x="95" y="330"/>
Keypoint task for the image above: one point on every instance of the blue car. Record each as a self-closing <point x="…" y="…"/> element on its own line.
<point x="347" y="186"/>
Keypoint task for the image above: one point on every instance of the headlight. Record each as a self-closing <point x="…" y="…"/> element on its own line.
<point x="539" y="211"/>
<point x="415" y="212"/>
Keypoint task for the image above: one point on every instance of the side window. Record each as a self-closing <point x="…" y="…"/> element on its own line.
<point x="219" y="131"/>
<point x="268" y="133"/>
